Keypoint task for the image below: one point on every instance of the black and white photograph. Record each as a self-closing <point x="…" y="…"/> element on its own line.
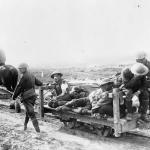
<point x="74" y="75"/>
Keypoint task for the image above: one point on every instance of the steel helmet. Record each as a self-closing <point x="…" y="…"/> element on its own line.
<point x="23" y="65"/>
<point x="141" y="55"/>
<point x="139" y="69"/>
<point x="2" y="56"/>
<point x="56" y="72"/>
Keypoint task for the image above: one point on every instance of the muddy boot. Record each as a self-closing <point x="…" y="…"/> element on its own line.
<point x="17" y="107"/>
<point x="36" y="125"/>
<point x="26" y="122"/>
<point x="144" y="109"/>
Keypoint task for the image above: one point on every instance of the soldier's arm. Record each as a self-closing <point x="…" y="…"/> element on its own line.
<point x="38" y="82"/>
<point x="19" y="88"/>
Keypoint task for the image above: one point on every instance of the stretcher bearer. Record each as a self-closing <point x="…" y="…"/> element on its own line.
<point x="134" y="81"/>
<point x="26" y="89"/>
<point x="142" y="58"/>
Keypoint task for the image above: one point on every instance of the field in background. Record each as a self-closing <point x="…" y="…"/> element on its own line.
<point x="93" y="73"/>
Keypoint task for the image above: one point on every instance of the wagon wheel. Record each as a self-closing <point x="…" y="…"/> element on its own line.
<point x="98" y="131"/>
<point x="117" y="134"/>
<point x="70" y="124"/>
<point x="107" y="131"/>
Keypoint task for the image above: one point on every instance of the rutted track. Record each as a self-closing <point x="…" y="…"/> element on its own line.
<point x="129" y="141"/>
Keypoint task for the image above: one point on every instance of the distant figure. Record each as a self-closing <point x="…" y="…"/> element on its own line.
<point x="141" y="58"/>
<point x="26" y="89"/>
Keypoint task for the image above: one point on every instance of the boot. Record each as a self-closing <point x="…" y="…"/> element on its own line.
<point x="36" y="125"/>
<point x="17" y="107"/>
<point x="26" y="122"/>
<point x="144" y="109"/>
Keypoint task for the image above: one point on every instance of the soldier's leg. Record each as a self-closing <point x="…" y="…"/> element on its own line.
<point x="26" y="121"/>
<point x="29" y="105"/>
<point x="144" y="102"/>
<point x="129" y="104"/>
<point x="106" y="109"/>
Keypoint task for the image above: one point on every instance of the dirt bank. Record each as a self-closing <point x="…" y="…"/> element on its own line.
<point x="54" y="137"/>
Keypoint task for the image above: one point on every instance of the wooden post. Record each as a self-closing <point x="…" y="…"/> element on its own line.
<point x="116" y="112"/>
<point x="41" y="103"/>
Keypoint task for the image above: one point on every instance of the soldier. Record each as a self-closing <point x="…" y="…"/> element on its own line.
<point x="61" y="88"/>
<point x="102" y="99"/>
<point x="26" y="88"/>
<point x="134" y="81"/>
<point x="142" y="58"/>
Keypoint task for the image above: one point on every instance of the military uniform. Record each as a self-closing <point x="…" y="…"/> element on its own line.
<point x="137" y="85"/>
<point x="62" y="96"/>
<point x="28" y="96"/>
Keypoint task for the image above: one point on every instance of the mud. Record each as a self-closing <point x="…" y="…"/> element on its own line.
<point x="55" y="137"/>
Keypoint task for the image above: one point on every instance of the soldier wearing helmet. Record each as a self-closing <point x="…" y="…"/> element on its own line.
<point x="141" y="58"/>
<point x="26" y="89"/>
<point x="62" y="90"/>
<point x="134" y="81"/>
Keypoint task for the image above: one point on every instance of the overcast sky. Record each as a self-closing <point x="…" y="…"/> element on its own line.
<point x="74" y="32"/>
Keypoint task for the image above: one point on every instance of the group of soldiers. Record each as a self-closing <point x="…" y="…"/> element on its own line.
<point x="133" y="87"/>
<point x="132" y="82"/>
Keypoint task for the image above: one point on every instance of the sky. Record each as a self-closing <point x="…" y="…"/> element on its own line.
<point x="62" y="33"/>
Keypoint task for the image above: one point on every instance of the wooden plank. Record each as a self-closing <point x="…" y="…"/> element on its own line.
<point x="41" y="103"/>
<point x="116" y="112"/>
<point x="82" y="118"/>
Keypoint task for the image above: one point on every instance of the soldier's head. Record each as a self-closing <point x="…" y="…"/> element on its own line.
<point x="139" y="69"/>
<point x="56" y="75"/>
<point x="23" y="68"/>
<point x="141" y="57"/>
<point x="106" y="84"/>
<point x="126" y="74"/>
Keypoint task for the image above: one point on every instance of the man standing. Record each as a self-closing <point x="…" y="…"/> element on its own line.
<point x="26" y="88"/>
<point x="142" y="58"/>
<point x="134" y="81"/>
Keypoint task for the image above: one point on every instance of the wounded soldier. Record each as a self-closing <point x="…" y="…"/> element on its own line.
<point x="60" y="90"/>
<point x="81" y="106"/>
<point x="80" y="102"/>
<point x="61" y="93"/>
<point x="102" y="99"/>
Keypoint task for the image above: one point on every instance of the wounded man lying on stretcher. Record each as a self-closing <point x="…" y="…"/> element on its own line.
<point x="99" y="101"/>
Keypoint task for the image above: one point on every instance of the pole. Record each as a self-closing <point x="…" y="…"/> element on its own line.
<point x="116" y="112"/>
<point x="41" y="103"/>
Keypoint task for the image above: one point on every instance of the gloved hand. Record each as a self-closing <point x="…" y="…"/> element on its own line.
<point x="137" y="93"/>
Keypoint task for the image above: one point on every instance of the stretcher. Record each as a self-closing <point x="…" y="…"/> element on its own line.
<point x="109" y="126"/>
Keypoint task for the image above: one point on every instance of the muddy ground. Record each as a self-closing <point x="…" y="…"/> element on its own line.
<point x="55" y="137"/>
